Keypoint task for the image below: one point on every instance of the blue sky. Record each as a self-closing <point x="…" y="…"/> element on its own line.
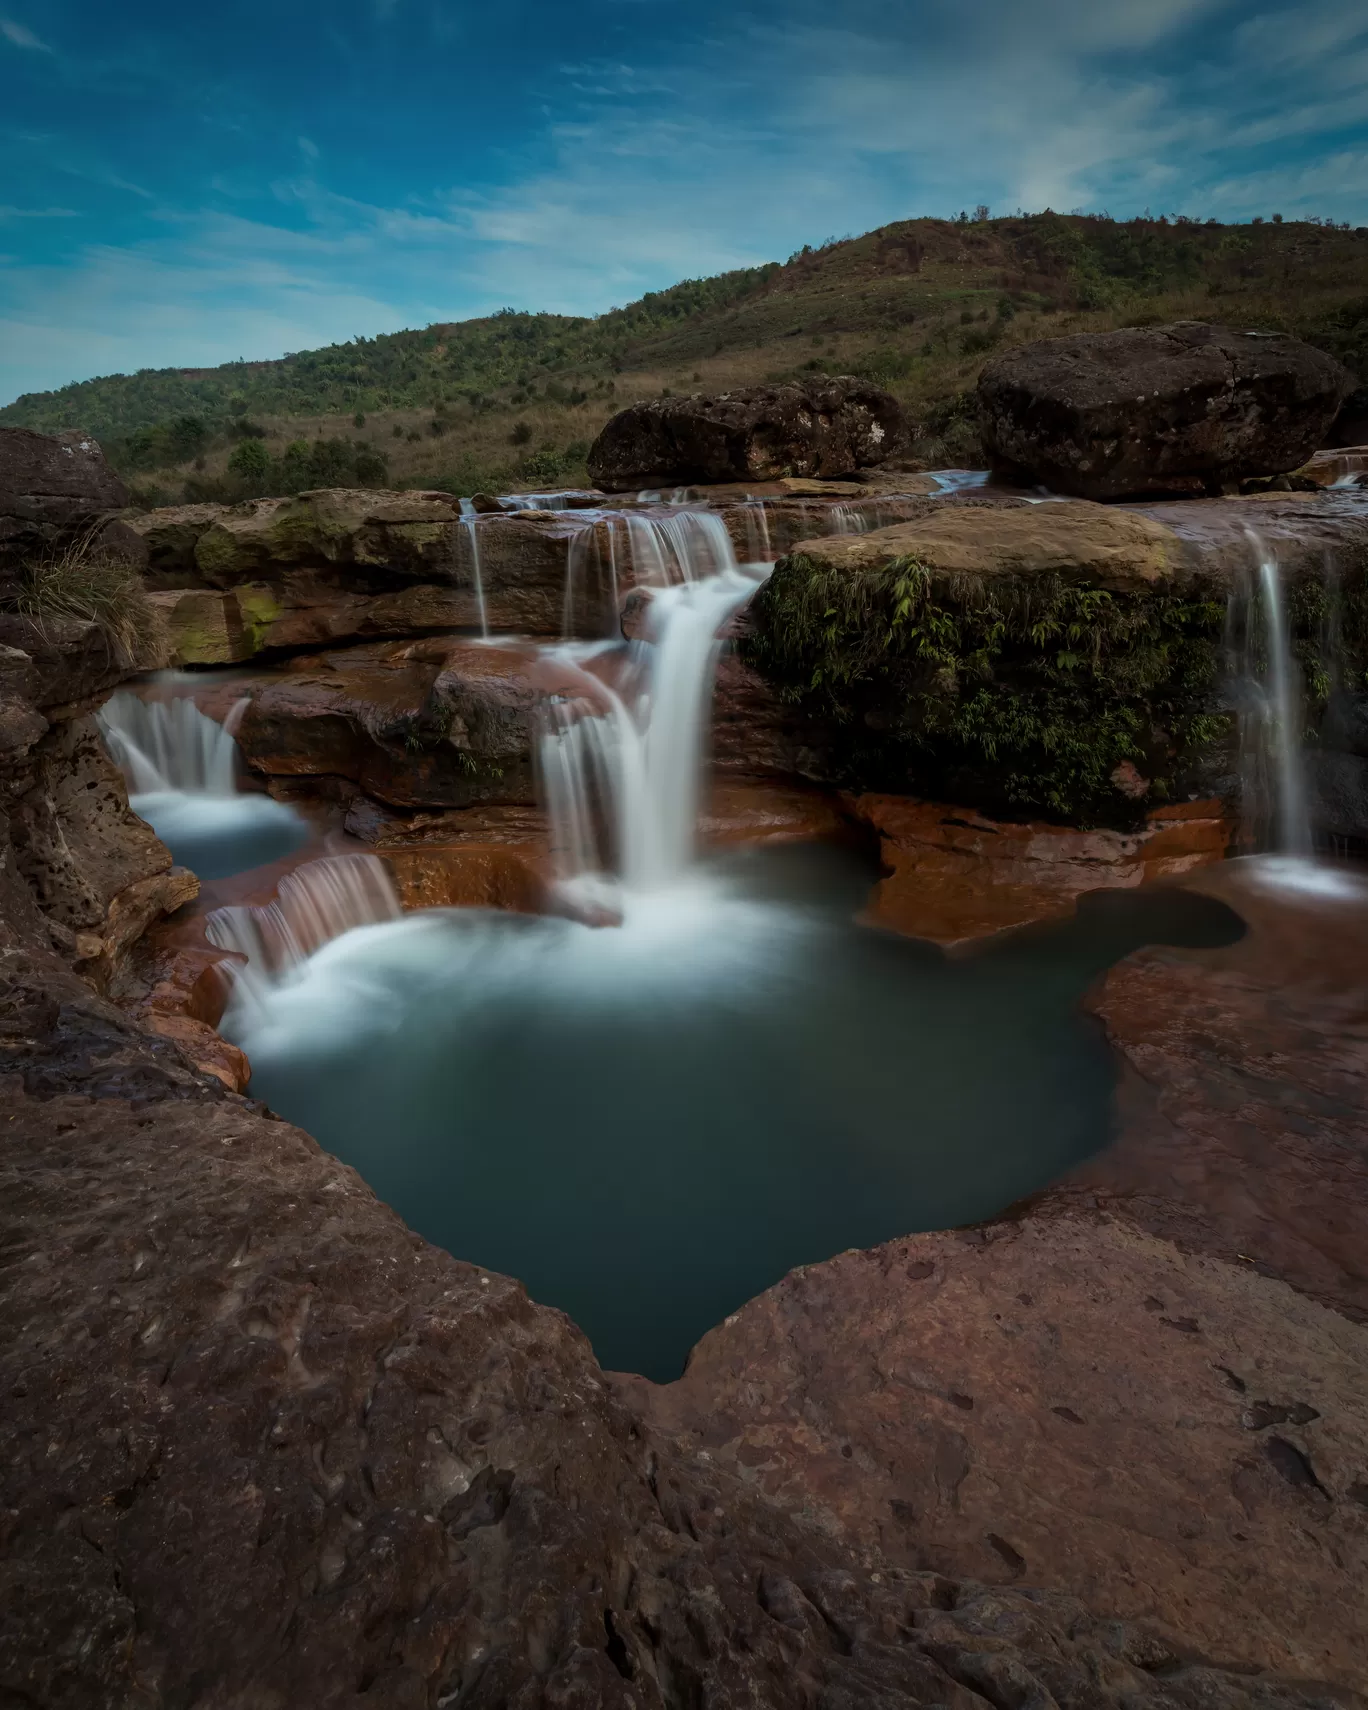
<point x="184" y="186"/>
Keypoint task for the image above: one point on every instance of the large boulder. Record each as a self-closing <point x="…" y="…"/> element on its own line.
<point x="1050" y="661"/>
<point x="1187" y="408"/>
<point x="51" y="487"/>
<point x="823" y="427"/>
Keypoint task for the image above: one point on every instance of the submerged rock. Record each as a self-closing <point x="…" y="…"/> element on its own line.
<point x="1187" y="408"/>
<point x="821" y="427"/>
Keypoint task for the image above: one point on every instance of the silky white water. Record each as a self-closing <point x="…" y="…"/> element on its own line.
<point x="181" y="770"/>
<point x="1269" y="704"/>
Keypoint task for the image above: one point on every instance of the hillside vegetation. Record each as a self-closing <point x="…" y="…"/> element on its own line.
<point x="515" y="399"/>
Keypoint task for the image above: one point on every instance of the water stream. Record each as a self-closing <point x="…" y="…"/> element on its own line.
<point x="1268" y="693"/>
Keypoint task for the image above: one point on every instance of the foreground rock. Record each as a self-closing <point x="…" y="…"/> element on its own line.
<point x="53" y="487"/>
<point x="820" y="427"/>
<point x="1187" y="408"/>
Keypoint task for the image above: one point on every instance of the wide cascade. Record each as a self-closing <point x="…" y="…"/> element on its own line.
<point x="699" y="1072"/>
<point x="181" y="769"/>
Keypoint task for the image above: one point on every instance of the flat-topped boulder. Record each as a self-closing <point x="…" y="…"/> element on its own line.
<point x="827" y="426"/>
<point x="1186" y="408"/>
<point x="1100" y="544"/>
<point x="1062" y="660"/>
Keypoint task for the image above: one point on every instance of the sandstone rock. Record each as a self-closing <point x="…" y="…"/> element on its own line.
<point x="1062" y="1399"/>
<point x="52" y="486"/>
<point x="1181" y="408"/>
<point x="465" y="875"/>
<point x="338" y="565"/>
<point x="821" y="427"/>
<point x="956" y="875"/>
<point x="171" y="534"/>
<point x="1101" y="544"/>
<point x="443" y="728"/>
<point x="1346" y="464"/>
<point x="1241" y="1111"/>
<point x="408" y="533"/>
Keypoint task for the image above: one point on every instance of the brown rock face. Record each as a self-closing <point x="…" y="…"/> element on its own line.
<point x="955" y="874"/>
<point x="1176" y="409"/>
<point x="1066" y="1400"/>
<point x="821" y="427"/>
<point x="428" y="724"/>
<point x="51" y="487"/>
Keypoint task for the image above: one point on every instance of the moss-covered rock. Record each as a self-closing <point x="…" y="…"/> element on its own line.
<point x="1066" y="660"/>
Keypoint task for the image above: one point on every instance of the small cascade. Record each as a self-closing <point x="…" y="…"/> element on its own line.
<point x="1267" y="688"/>
<point x="181" y="769"/>
<point x="170" y="745"/>
<point x="659" y="551"/>
<point x="316" y="903"/>
<point x="470" y="523"/>
<point x="758" y="548"/>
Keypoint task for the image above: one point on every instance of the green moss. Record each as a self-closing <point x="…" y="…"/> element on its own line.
<point x="1022" y="693"/>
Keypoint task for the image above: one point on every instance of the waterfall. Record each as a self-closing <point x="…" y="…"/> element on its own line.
<point x="315" y="904"/>
<point x="758" y="549"/>
<point x="621" y="763"/>
<point x="170" y="745"/>
<point x="659" y="552"/>
<point x="470" y="524"/>
<point x="181" y="770"/>
<point x="1269" y="707"/>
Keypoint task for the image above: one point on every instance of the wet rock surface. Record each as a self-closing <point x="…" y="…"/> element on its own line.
<point x="820" y="427"/>
<point x="955" y="875"/>
<point x="1185" y="408"/>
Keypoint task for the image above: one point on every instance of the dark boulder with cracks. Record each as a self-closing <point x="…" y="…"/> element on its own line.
<point x="828" y="426"/>
<point x="1187" y="408"/>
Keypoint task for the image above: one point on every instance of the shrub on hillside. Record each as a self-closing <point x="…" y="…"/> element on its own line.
<point x="254" y="474"/>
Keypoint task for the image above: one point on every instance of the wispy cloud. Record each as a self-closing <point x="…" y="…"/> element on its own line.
<point x="669" y="142"/>
<point x="20" y="36"/>
<point x="7" y="213"/>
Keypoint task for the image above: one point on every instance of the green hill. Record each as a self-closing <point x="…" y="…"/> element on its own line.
<point x="515" y="398"/>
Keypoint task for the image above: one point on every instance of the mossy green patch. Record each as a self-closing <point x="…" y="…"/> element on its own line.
<point x="1023" y="693"/>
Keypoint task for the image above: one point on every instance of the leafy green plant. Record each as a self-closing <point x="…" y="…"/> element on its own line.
<point x="1023" y="693"/>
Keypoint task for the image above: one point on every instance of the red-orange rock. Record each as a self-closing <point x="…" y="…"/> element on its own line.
<point x="956" y="874"/>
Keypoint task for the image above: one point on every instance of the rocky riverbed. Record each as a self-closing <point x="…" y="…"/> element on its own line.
<point x="262" y="1444"/>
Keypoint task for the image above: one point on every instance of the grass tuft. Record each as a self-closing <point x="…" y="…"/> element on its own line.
<point x="87" y="582"/>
